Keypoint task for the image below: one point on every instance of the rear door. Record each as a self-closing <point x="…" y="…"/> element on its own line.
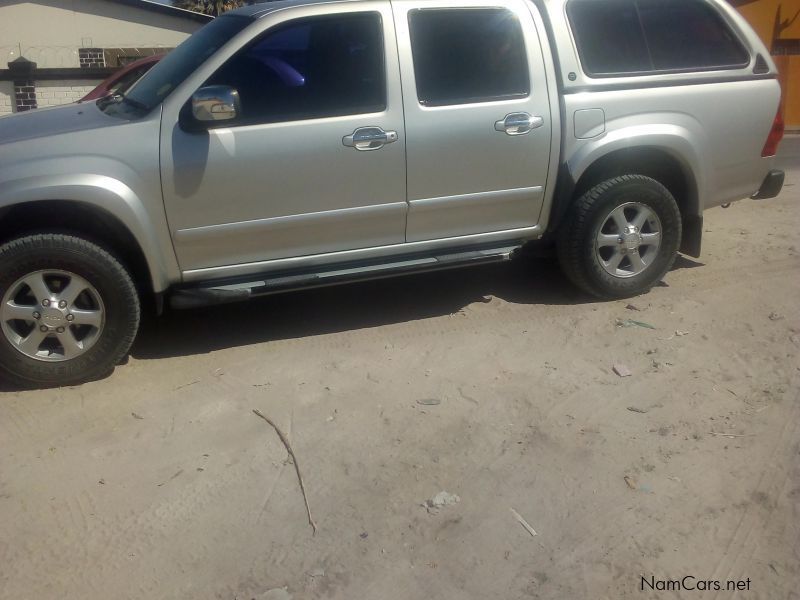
<point x="478" y="127"/>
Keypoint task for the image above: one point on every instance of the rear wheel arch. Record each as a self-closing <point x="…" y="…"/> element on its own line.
<point x="660" y="164"/>
<point x="657" y="163"/>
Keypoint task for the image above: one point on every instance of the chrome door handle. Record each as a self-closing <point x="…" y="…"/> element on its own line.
<point x="369" y="138"/>
<point x="518" y="123"/>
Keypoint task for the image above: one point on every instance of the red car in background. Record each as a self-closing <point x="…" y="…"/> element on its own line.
<point x="123" y="79"/>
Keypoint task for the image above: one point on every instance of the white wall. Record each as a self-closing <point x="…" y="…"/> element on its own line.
<point x="6" y="97"/>
<point x="51" y="31"/>
<point x="53" y="93"/>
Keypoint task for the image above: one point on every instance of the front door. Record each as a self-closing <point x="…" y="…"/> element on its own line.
<point x="315" y="164"/>
<point x="477" y="117"/>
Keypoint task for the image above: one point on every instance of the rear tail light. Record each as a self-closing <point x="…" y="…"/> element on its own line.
<point x="775" y="136"/>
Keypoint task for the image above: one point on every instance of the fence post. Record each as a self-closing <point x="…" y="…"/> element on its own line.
<point x="22" y="71"/>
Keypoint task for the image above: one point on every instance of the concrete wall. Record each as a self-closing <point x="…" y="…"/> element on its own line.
<point x="53" y="93"/>
<point x="789" y="68"/>
<point x="6" y="97"/>
<point x="51" y="31"/>
<point x="764" y="16"/>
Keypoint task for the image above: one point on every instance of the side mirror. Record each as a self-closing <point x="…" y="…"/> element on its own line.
<point x="215" y="103"/>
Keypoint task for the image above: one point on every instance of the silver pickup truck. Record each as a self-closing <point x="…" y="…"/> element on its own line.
<point x="305" y="143"/>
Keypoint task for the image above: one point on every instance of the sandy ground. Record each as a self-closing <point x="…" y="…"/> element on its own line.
<point x="159" y="482"/>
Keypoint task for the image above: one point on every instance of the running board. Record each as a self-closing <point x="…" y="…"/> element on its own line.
<point x="224" y="292"/>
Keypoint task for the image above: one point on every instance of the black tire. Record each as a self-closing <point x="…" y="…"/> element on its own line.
<point x="578" y="255"/>
<point x="111" y="282"/>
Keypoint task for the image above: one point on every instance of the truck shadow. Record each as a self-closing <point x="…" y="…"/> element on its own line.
<point x="357" y="306"/>
<point x="354" y="306"/>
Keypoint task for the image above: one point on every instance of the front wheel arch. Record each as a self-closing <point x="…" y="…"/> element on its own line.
<point x="83" y="220"/>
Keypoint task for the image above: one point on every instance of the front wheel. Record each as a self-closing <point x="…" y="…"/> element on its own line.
<point x="621" y="237"/>
<point x="69" y="311"/>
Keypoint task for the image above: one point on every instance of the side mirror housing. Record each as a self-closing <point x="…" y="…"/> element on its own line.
<point x="213" y="105"/>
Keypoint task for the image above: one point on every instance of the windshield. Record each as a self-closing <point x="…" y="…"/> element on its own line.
<point x="176" y="66"/>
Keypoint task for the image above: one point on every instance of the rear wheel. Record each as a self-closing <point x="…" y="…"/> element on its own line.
<point x="621" y="237"/>
<point x="69" y="311"/>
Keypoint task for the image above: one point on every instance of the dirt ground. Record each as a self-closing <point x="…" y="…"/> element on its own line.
<point x="159" y="481"/>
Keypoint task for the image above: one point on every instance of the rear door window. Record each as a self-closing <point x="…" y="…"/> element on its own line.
<point x="464" y="56"/>
<point x="621" y="37"/>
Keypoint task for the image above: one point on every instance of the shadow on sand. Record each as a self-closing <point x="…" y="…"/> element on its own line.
<point x="355" y="306"/>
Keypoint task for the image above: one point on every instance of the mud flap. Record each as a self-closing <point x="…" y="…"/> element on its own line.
<point x="692" y="235"/>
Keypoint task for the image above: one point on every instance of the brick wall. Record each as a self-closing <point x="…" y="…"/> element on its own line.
<point x="25" y="95"/>
<point x="91" y="57"/>
<point x="6" y="98"/>
<point x="53" y="93"/>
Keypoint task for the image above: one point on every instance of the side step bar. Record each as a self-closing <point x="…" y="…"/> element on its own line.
<point x="224" y="292"/>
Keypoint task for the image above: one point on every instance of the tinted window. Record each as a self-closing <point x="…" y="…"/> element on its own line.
<point x="121" y="85"/>
<point x="310" y="68"/>
<point x="609" y="36"/>
<point x="468" y="55"/>
<point x="641" y="36"/>
<point x="176" y="66"/>
<point x="686" y="34"/>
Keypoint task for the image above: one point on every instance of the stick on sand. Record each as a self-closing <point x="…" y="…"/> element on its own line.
<point x="523" y="522"/>
<point x="296" y="464"/>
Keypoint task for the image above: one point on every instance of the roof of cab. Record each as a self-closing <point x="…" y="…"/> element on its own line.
<point x="256" y="11"/>
<point x="264" y="7"/>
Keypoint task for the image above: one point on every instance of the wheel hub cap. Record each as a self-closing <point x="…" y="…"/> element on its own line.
<point x="53" y="317"/>
<point x="628" y="240"/>
<point x="631" y="239"/>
